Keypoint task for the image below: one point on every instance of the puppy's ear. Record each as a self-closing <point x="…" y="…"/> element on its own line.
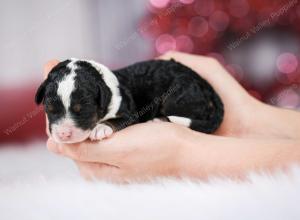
<point x="104" y="96"/>
<point x="40" y="93"/>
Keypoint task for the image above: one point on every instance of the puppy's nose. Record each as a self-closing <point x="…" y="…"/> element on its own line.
<point x="65" y="134"/>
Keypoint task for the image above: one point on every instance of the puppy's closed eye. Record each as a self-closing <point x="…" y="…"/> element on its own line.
<point x="50" y="108"/>
<point x="53" y="109"/>
<point x="76" y="108"/>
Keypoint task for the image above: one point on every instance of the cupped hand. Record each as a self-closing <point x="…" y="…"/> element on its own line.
<point x="237" y="102"/>
<point x="245" y="116"/>
<point x="138" y="152"/>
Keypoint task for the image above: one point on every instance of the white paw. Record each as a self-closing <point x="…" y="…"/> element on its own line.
<point x="156" y="120"/>
<point x="100" y="132"/>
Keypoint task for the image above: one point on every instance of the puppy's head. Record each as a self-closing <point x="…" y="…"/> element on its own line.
<point x="76" y="95"/>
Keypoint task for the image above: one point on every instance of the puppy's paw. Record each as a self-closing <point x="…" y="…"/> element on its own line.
<point x="161" y="119"/>
<point x="100" y="132"/>
<point x="156" y="120"/>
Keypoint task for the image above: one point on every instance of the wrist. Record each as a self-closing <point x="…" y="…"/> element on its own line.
<point x="204" y="156"/>
<point x="194" y="155"/>
<point x="275" y="122"/>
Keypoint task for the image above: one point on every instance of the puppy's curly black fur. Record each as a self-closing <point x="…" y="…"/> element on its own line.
<point x="169" y="88"/>
<point x="88" y="94"/>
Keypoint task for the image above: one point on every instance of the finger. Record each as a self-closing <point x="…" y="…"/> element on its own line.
<point x="49" y="66"/>
<point x="98" y="171"/>
<point x="47" y="127"/>
<point x="90" y="152"/>
<point x="192" y="60"/>
<point x="169" y="55"/>
<point x="52" y="146"/>
<point x="207" y="67"/>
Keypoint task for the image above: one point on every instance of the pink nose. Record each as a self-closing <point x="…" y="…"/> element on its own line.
<point x="65" y="134"/>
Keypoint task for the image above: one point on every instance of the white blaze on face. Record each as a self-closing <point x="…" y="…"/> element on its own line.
<point x="66" y="86"/>
<point x="65" y="130"/>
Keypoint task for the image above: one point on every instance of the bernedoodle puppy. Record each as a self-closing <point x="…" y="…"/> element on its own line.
<point x="84" y="99"/>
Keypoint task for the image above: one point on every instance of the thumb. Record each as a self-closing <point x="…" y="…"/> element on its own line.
<point x="49" y="66"/>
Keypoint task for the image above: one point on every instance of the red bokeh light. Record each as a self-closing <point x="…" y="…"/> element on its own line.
<point x="184" y="43"/>
<point x="187" y="1"/>
<point x="287" y="63"/>
<point x="198" y="26"/>
<point x="204" y="7"/>
<point x="159" y="3"/>
<point x="219" y="21"/>
<point x="238" y="8"/>
<point x="164" y="43"/>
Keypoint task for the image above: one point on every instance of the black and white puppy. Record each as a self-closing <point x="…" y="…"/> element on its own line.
<point x="84" y="99"/>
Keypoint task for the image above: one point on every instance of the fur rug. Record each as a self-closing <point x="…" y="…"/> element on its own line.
<point x="35" y="184"/>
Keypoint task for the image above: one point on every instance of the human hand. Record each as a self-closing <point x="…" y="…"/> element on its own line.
<point x="139" y="152"/>
<point x="244" y="115"/>
<point x="237" y="102"/>
<point x="159" y="149"/>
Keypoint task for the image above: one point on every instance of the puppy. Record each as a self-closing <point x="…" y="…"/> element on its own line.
<point x="84" y="99"/>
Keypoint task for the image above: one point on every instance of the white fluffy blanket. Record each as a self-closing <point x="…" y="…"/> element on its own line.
<point x="34" y="184"/>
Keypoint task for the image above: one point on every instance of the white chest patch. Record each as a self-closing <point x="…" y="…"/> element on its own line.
<point x="66" y="86"/>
